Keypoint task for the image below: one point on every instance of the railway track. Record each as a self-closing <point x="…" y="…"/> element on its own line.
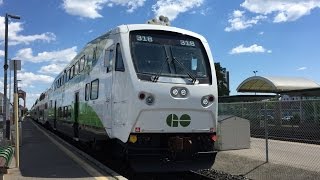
<point x="209" y="174"/>
<point x="98" y="158"/>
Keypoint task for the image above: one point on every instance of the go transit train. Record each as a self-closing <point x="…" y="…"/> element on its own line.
<point x="147" y="92"/>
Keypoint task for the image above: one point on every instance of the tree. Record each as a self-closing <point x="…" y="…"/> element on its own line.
<point x="222" y="83"/>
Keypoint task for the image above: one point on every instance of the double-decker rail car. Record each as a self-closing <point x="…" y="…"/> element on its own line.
<point x="148" y="92"/>
<point x="39" y="111"/>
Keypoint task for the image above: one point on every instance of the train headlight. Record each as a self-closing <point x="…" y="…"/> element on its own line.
<point x="175" y="92"/>
<point x="183" y="92"/>
<point x="150" y="100"/>
<point x="179" y="92"/>
<point x="207" y="100"/>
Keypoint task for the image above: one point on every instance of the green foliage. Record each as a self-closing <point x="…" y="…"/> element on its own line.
<point x="221" y="82"/>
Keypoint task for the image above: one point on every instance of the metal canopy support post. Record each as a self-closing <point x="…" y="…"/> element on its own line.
<point x="266" y="131"/>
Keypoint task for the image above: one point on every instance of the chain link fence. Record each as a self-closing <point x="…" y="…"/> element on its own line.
<point x="294" y="121"/>
<point x="290" y="120"/>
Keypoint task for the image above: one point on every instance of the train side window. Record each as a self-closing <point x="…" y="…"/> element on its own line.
<point x="65" y="76"/>
<point x="119" y="60"/>
<point x="65" y="111"/>
<point x="69" y="112"/>
<point x="94" y="55"/>
<point x="87" y="92"/>
<point x="108" y="56"/>
<point x="76" y="68"/>
<point x="72" y="72"/>
<point x="69" y="74"/>
<point x="59" y="112"/>
<point x="94" y="93"/>
<point x="82" y="63"/>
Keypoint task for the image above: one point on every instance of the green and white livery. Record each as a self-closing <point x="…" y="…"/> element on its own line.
<point x="148" y="89"/>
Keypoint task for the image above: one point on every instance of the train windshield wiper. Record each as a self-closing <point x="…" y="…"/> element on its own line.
<point x="156" y="77"/>
<point x="190" y="74"/>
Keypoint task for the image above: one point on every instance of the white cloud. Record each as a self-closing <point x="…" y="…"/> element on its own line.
<point x="52" y="69"/>
<point x="238" y="21"/>
<point x="90" y="8"/>
<point x="251" y="49"/>
<point x="131" y="4"/>
<point x="29" y="78"/>
<point x="205" y="11"/>
<point x="31" y="98"/>
<point x="1" y="53"/>
<point x="302" y="68"/>
<point x="282" y="10"/>
<point x="1" y="1"/>
<point x="15" y="28"/>
<point x="62" y="56"/>
<point x="172" y="8"/>
<point x="261" y="33"/>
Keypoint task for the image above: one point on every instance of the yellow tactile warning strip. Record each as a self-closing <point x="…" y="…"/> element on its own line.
<point x="93" y="172"/>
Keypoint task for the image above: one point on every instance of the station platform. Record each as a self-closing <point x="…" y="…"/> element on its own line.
<point x="43" y="156"/>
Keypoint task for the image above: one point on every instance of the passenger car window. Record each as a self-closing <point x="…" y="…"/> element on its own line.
<point x="82" y="63"/>
<point x="94" y="89"/>
<point x="87" y="92"/>
<point x="119" y="60"/>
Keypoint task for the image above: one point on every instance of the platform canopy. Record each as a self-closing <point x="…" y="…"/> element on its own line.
<point x="264" y="84"/>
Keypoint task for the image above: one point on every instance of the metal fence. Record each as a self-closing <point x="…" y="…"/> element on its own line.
<point x="291" y="120"/>
<point x="296" y="121"/>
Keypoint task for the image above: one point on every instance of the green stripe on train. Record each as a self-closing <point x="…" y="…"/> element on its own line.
<point x="87" y="116"/>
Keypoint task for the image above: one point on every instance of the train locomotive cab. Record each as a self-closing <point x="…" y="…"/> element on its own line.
<point x="165" y="109"/>
<point x="146" y="92"/>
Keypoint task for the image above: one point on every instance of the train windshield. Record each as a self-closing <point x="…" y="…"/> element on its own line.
<point x="165" y="54"/>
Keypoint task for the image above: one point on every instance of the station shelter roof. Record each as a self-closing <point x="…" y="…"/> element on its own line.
<point x="274" y="84"/>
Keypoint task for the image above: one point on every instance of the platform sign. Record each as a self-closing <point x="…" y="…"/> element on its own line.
<point x="18" y="64"/>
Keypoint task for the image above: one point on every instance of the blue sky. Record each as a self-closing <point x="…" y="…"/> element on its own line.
<point x="274" y="37"/>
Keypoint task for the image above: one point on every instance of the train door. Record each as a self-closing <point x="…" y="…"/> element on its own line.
<point x="120" y="90"/>
<point x="76" y="116"/>
<point x="108" y="63"/>
<point x="55" y="115"/>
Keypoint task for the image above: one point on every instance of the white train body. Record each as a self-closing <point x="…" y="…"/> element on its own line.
<point x="148" y="92"/>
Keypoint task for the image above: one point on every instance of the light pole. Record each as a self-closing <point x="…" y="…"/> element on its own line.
<point x="6" y="132"/>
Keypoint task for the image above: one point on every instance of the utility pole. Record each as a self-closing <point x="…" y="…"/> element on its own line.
<point x="6" y="119"/>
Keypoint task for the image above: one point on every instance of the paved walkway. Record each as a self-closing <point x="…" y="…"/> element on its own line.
<point x="299" y="155"/>
<point x="287" y="160"/>
<point x="43" y="157"/>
